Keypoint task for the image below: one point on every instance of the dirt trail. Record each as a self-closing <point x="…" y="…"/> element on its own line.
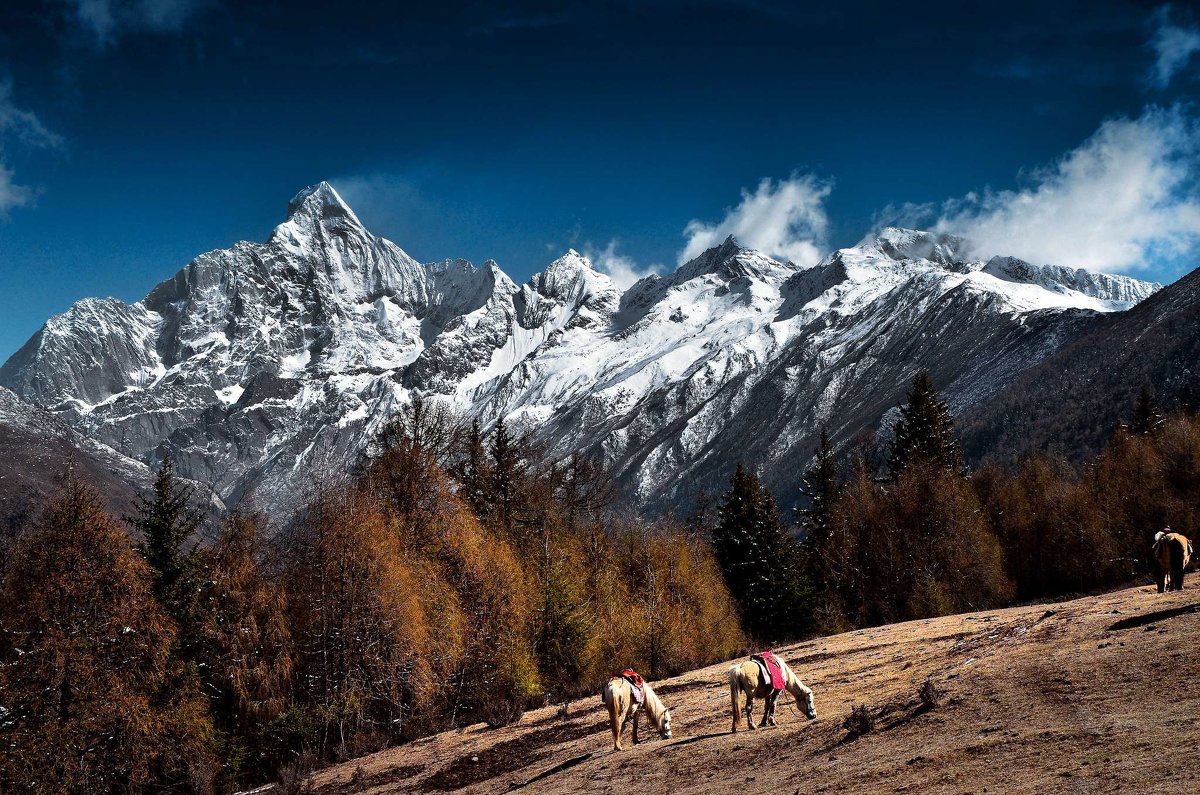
<point x="1094" y="695"/>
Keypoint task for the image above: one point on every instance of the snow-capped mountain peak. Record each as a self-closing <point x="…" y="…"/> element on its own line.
<point x="910" y="244"/>
<point x="322" y="202"/>
<point x="573" y="280"/>
<point x="261" y="365"/>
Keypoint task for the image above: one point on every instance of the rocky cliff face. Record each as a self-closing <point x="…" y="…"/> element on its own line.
<point x="262" y="366"/>
<point x="37" y="447"/>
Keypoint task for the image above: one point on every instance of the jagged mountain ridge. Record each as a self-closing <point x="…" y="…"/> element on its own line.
<point x="1070" y="403"/>
<point x="261" y="365"/>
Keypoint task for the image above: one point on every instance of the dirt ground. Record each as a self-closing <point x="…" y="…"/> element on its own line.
<point x="1095" y="695"/>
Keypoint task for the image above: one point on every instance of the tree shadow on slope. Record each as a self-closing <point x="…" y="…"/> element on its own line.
<point x="504" y="757"/>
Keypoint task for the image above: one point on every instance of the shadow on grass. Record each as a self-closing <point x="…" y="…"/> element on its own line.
<point x="1150" y="618"/>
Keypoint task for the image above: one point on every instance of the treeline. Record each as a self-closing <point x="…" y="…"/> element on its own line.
<point x="911" y="534"/>
<point x="456" y="578"/>
<point x="452" y="579"/>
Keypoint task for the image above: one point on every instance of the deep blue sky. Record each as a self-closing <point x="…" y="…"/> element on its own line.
<point x="173" y="127"/>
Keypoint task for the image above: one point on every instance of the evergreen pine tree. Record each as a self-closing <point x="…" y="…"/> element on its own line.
<point x="822" y="488"/>
<point x="561" y="630"/>
<point x="925" y="430"/>
<point x="166" y="520"/>
<point x="505" y="465"/>
<point x="473" y="472"/>
<point x="761" y="561"/>
<point x="1146" y="417"/>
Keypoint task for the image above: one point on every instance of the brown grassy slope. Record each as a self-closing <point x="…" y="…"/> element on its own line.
<point x="1094" y="695"/>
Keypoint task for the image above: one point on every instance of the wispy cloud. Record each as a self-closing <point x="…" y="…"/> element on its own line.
<point x="622" y="269"/>
<point x="389" y="203"/>
<point x="18" y="128"/>
<point x="107" y="20"/>
<point x="784" y="219"/>
<point x="1123" y="198"/>
<point x="503" y="22"/>
<point x="1173" y="45"/>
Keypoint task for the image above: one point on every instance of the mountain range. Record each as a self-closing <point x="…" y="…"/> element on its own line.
<point x="262" y="367"/>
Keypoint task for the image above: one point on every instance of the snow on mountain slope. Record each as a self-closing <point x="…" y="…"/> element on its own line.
<point x="267" y="364"/>
<point x="37" y="446"/>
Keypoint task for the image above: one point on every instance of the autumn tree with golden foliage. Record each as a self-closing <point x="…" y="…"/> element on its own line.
<point x="244" y="649"/>
<point x="359" y="614"/>
<point x="89" y="697"/>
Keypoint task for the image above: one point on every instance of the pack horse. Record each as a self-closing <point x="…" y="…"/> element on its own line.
<point x="765" y="676"/>
<point x="625" y="696"/>
<point x="1172" y="554"/>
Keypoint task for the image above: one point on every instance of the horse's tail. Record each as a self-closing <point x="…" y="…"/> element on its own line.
<point x="735" y="688"/>
<point x="609" y="696"/>
<point x="1177" y="564"/>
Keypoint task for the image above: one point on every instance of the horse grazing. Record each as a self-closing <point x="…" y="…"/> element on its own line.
<point x="1172" y="553"/>
<point x="625" y="700"/>
<point x="747" y="677"/>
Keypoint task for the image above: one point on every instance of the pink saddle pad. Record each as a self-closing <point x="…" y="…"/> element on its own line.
<point x="773" y="669"/>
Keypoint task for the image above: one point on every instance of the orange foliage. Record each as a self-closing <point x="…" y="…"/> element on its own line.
<point x="89" y="701"/>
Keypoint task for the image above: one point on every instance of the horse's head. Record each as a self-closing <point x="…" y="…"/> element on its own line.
<point x="664" y="728"/>
<point x="810" y="709"/>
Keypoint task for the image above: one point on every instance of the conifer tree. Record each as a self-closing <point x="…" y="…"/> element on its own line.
<point x="505" y="465"/>
<point x="822" y="488"/>
<point x="89" y="700"/>
<point x="166" y="521"/>
<point x="1147" y="420"/>
<point x="761" y="561"/>
<point x="561" y="625"/>
<point x="925" y="431"/>
<point x="245" y="656"/>
<point x="473" y="472"/>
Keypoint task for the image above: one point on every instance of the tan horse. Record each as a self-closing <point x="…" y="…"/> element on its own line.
<point x="617" y="695"/>
<point x="746" y="677"/>
<point x="1172" y="554"/>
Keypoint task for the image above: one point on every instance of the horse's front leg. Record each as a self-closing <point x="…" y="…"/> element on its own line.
<point x="636" y="717"/>
<point x="750" y="712"/>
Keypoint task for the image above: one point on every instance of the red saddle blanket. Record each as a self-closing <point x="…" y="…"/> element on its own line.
<point x="773" y="670"/>
<point x="636" y="683"/>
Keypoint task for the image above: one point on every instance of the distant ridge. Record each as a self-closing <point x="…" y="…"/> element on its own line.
<point x="260" y="366"/>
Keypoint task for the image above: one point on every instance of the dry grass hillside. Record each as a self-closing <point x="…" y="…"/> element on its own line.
<point x="1095" y="695"/>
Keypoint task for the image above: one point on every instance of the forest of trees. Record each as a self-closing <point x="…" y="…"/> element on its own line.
<point x="922" y="536"/>
<point x="453" y="579"/>
<point x="457" y="578"/>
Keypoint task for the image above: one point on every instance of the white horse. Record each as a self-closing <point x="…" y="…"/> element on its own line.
<point x="623" y="708"/>
<point x="747" y="677"/>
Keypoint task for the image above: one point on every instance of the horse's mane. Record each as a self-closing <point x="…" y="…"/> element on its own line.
<point x="654" y="706"/>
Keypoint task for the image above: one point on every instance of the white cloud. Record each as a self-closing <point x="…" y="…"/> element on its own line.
<point x="1124" y="197"/>
<point x="618" y="267"/>
<point x="786" y="220"/>
<point x="1173" y="47"/>
<point x="12" y="195"/>
<point x="24" y="129"/>
<point x="106" y="20"/>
